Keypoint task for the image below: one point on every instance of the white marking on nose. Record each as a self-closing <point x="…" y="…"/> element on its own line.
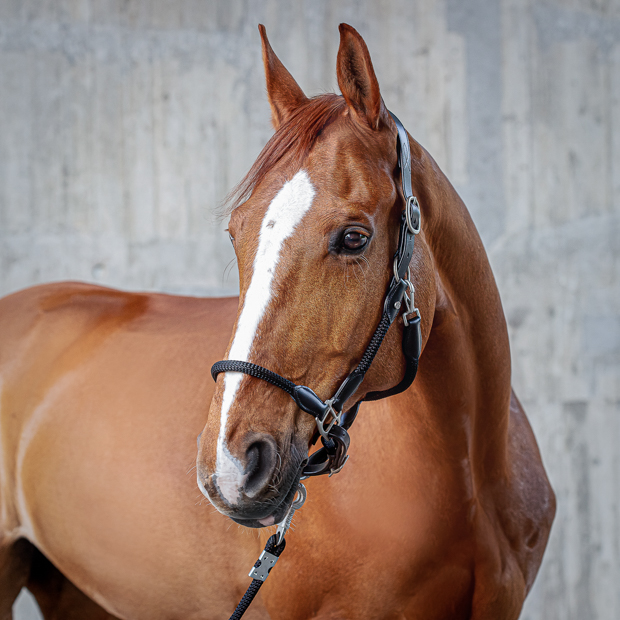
<point x="282" y="217"/>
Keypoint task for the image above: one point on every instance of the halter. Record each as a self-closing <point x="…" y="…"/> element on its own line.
<point x="332" y="423"/>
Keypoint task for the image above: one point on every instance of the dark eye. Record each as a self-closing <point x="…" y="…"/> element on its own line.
<point x="354" y="240"/>
<point x="232" y="239"/>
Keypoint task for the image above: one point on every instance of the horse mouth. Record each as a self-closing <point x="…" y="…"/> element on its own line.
<point x="279" y="512"/>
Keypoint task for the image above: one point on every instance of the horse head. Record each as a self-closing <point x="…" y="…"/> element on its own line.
<point x="315" y="228"/>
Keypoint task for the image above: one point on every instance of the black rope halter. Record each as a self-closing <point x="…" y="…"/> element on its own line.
<point x="332" y="423"/>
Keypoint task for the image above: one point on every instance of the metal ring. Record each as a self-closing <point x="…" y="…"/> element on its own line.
<point x="412" y="200"/>
<point x="300" y="497"/>
<point x="409" y="299"/>
<point x="408" y="278"/>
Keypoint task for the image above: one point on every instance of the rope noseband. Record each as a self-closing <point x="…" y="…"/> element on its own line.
<point x="332" y="423"/>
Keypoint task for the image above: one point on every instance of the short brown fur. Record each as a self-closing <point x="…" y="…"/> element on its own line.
<point x="444" y="509"/>
<point x="292" y="142"/>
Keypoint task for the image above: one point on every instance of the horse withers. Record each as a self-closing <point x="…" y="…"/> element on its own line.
<point x="443" y="509"/>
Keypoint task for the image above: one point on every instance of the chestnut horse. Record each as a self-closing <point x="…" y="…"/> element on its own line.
<point x="444" y="508"/>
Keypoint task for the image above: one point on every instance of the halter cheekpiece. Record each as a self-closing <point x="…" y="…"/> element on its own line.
<point x="332" y="423"/>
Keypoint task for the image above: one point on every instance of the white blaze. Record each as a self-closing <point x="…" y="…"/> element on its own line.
<point x="283" y="215"/>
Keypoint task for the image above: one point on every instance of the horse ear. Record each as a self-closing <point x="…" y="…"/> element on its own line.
<point x="283" y="92"/>
<point x="356" y="78"/>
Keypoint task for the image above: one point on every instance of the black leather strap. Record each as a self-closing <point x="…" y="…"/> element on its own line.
<point x="332" y="456"/>
<point x="404" y="156"/>
<point x="412" y="334"/>
<point x="412" y="346"/>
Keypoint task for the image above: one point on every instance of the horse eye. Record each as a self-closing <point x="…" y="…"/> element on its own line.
<point x="354" y="240"/>
<point x="232" y="239"/>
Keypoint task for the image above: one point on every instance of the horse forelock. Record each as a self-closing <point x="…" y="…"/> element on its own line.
<point x="294" y="140"/>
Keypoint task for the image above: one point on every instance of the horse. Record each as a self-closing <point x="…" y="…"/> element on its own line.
<point x="443" y="508"/>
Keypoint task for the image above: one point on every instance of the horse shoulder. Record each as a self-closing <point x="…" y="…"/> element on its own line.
<point x="55" y="331"/>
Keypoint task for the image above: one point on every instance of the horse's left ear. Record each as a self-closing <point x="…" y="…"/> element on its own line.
<point x="284" y="93"/>
<point x="357" y="80"/>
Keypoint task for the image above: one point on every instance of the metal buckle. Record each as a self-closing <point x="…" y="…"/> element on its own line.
<point x="412" y="215"/>
<point x="410" y="303"/>
<point x="320" y="423"/>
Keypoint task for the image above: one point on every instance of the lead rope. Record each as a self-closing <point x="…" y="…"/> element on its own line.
<point x="268" y="558"/>
<point x="271" y="550"/>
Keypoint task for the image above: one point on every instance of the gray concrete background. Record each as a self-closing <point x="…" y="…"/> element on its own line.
<point x="123" y="124"/>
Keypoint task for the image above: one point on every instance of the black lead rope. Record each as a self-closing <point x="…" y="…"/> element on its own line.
<point x="261" y="568"/>
<point x="268" y="558"/>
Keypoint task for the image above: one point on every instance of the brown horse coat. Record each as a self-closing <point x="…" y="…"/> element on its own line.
<point x="444" y="508"/>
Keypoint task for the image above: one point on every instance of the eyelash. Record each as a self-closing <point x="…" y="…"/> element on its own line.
<point x="337" y="245"/>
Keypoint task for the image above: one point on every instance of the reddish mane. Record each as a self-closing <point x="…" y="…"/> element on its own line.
<point x="294" y="139"/>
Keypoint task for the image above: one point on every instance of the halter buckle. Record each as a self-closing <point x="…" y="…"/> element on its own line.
<point x="412" y="214"/>
<point x="320" y="422"/>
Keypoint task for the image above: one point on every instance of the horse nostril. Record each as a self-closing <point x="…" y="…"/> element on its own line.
<point x="261" y="459"/>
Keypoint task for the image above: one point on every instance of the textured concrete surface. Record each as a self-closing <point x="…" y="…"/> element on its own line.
<point x="124" y="124"/>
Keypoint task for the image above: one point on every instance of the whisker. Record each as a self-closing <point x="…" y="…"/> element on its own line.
<point x="228" y="269"/>
<point x="357" y="264"/>
<point x="355" y="272"/>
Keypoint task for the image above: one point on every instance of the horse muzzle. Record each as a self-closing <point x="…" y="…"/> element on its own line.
<point x="255" y="491"/>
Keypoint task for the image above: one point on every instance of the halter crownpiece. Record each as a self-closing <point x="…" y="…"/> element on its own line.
<point x="332" y="423"/>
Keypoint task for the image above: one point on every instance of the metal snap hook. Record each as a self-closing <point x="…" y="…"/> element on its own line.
<point x="410" y="302"/>
<point x="285" y="524"/>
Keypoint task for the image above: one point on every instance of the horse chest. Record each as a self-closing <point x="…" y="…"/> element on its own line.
<point x="373" y="547"/>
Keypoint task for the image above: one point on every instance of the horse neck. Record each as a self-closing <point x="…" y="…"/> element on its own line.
<point x="465" y="367"/>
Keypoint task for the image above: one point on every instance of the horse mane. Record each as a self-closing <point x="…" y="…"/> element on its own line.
<point x="295" y="138"/>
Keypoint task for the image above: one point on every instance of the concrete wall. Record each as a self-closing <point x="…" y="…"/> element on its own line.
<point x="124" y="124"/>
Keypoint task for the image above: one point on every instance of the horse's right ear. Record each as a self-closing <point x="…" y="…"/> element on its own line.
<point x="357" y="80"/>
<point x="284" y="93"/>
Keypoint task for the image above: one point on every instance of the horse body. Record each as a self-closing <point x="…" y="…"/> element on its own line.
<point x="444" y="508"/>
<point x="103" y="394"/>
<point x="74" y="480"/>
